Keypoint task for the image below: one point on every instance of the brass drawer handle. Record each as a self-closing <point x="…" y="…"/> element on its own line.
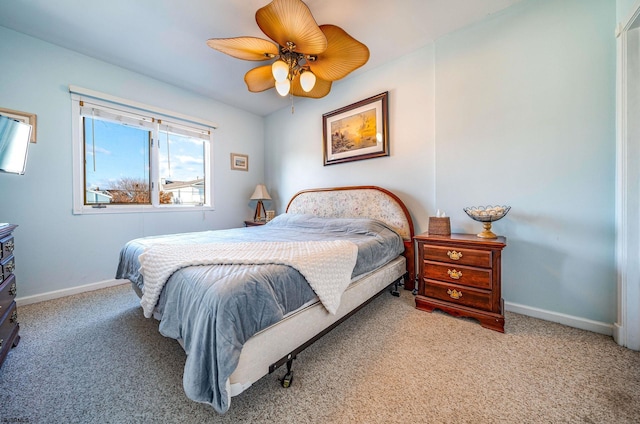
<point x="10" y="267"/>
<point x="14" y="317"/>
<point x="454" y="294"/>
<point x="8" y="246"/>
<point x="454" y="274"/>
<point x="453" y="255"/>
<point x="13" y="289"/>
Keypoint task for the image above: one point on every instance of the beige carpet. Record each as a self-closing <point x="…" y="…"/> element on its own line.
<point x="93" y="358"/>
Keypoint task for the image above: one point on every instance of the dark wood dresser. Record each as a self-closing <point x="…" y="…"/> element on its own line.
<point x="460" y="274"/>
<point x="8" y="315"/>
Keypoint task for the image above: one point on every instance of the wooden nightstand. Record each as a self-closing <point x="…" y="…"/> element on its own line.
<point x="460" y="274"/>
<point x="254" y="223"/>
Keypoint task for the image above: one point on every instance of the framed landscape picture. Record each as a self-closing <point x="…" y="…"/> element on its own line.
<point x="358" y="131"/>
<point x="239" y="162"/>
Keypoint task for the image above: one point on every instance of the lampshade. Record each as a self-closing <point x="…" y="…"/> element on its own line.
<point x="280" y="70"/>
<point x="282" y="87"/>
<point x="260" y="193"/>
<point x="307" y="81"/>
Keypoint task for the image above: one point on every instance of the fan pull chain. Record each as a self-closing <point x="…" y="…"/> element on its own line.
<point x="292" y="109"/>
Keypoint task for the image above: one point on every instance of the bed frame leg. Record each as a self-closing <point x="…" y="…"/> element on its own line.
<point x="393" y="289"/>
<point x="288" y="377"/>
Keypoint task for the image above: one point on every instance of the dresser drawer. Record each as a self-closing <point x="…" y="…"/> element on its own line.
<point x="457" y="294"/>
<point x="6" y="246"/>
<point x="462" y="256"/>
<point x="7" y="266"/>
<point x="8" y="326"/>
<point x="462" y="275"/>
<point x="7" y="293"/>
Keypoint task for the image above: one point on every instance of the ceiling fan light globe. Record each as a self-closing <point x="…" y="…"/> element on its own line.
<point x="280" y="70"/>
<point x="307" y="81"/>
<point x="283" y="87"/>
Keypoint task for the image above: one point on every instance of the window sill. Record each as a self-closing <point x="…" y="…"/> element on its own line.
<point x="110" y="209"/>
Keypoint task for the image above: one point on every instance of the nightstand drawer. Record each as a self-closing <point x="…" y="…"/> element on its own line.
<point x="7" y="293"/>
<point x="463" y="256"/>
<point x="7" y="265"/>
<point x="462" y="275"/>
<point x="8" y="326"/>
<point x="6" y="246"/>
<point x="462" y="295"/>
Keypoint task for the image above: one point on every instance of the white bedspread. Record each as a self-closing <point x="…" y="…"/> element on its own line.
<point x="326" y="265"/>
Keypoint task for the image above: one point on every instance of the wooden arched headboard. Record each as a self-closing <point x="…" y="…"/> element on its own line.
<point x="360" y="202"/>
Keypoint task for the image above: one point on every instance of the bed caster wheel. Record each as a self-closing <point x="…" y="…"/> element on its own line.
<point x="287" y="379"/>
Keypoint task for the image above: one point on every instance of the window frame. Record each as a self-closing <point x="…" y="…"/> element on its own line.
<point x="159" y="118"/>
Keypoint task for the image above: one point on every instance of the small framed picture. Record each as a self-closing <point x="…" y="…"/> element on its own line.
<point x="27" y="118"/>
<point x="239" y="162"/>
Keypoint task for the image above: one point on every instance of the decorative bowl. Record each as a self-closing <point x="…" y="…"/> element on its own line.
<point x="487" y="215"/>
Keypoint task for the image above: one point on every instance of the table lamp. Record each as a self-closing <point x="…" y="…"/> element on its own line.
<point x="260" y="194"/>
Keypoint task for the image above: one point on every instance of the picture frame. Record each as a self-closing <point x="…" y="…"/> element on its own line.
<point x="358" y="131"/>
<point x="239" y="162"/>
<point x="26" y="117"/>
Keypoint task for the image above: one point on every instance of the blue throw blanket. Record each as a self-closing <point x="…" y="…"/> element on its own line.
<point x="216" y="309"/>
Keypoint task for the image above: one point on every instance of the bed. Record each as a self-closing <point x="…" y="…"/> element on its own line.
<point x="245" y="301"/>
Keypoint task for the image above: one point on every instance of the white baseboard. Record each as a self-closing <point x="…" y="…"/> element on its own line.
<point x="568" y="320"/>
<point x="26" y="300"/>
<point x="571" y="321"/>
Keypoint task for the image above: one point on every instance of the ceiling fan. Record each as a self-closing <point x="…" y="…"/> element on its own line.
<point x="308" y="57"/>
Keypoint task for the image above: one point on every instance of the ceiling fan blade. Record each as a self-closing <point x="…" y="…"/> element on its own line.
<point x="344" y="54"/>
<point x="291" y="21"/>
<point x="246" y="48"/>
<point x="320" y="89"/>
<point x="259" y="79"/>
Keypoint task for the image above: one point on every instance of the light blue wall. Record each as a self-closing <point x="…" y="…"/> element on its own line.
<point x="57" y="250"/>
<point x="518" y="109"/>
<point x="293" y="147"/>
<point x="527" y="107"/>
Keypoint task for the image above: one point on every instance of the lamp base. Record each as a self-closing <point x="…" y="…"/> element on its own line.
<point x="257" y="216"/>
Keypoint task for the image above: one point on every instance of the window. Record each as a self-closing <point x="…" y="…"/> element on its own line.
<point x="117" y="162"/>
<point x="128" y="158"/>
